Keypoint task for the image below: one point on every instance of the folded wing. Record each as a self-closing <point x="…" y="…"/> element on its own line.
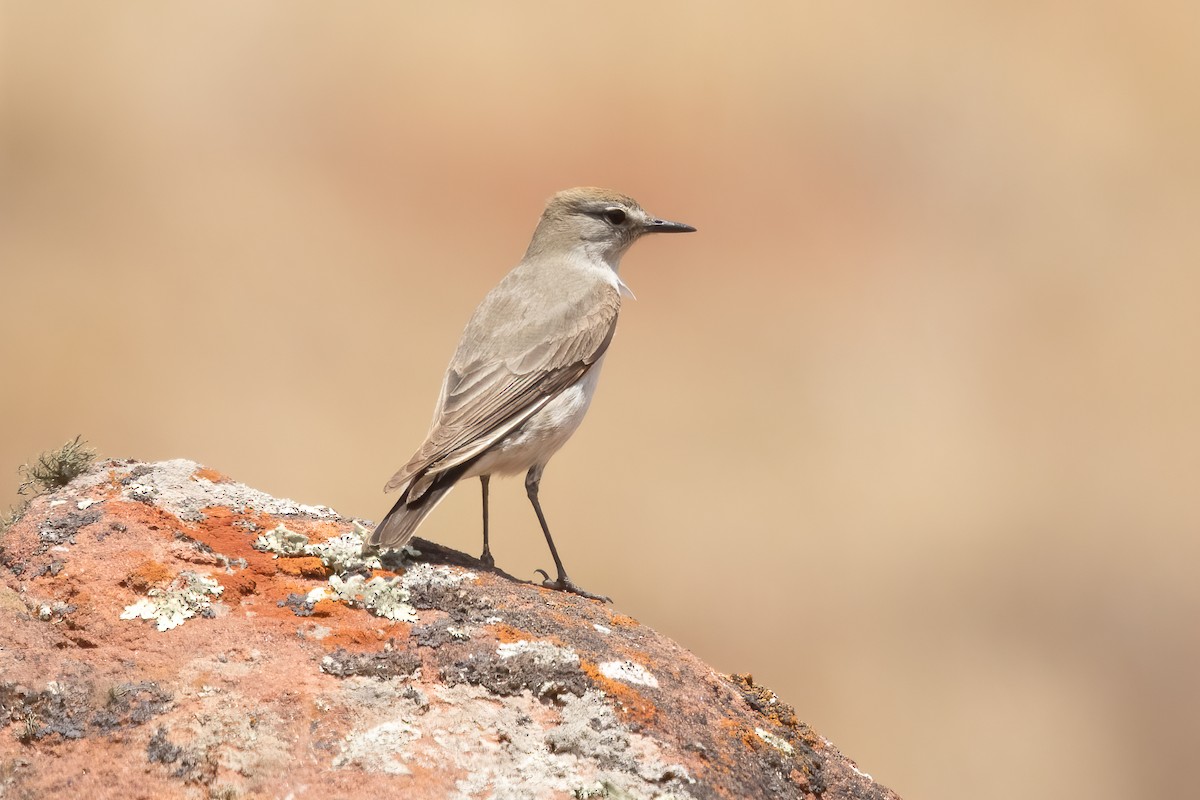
<point x="520" y="349"/>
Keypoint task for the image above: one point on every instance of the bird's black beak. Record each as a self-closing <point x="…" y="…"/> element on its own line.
<point x="666" y="226"/>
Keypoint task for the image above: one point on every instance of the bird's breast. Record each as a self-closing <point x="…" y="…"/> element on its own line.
<point x="544" y="433"/>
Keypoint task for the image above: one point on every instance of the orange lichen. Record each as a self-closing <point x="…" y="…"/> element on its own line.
<point x="211" y="475"/>
<point x="131" y="512"/>
<point x="147" y="574"/>
<point x="302" y="566"/>
<point x="283" y="587"/>
<point x="630" y="703"/>
<point x="239" y="583"/>
<point x="326" y="607"/>
<point x="638" y="656"/>
<point x="114" y="483"/>
<point x="765" y="702"/>
<point x="561" y="615"/>
<point x="231" y="534"/>
<point x="507" y="633"/>
<point x="351" y="637"/>
<point x="621" y="620"/>
<point x="744" y="733"/>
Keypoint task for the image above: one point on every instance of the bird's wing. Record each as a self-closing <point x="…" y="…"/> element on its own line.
<point x="520" y="350"/>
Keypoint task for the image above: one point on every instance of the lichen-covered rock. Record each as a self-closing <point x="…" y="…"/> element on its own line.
<point x="166" y="632"/>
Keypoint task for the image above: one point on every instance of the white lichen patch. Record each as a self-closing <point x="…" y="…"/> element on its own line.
<point x="315" y="631"/>
<point x="854" y="766"/>
<point x="282" y="542"/>
<point x="427" y="576"/>
<point x="544" y="654"/>
<point x="344" y="553"/>
<point x="47" y="612"/>
<point x="778" y="743"/>
<point x="382" y="748"/>
<point x="601" y="629"/>
<point x="383" y="598"/>
<point x="188" y="595"/>
<point x="590" y="729"/>
<point x="318" y="593"/>
<point x="254" y="745"/>
<point x="175" y="487"/>
<point x="503" y="747"/>
<point x="629" y="672"/>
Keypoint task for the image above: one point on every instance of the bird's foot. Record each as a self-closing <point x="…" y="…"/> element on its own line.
<point x="565" y="584"/>
<point x="487" y="559"/>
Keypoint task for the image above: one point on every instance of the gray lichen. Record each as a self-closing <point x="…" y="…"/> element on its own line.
<point x="74" y="709"/>
<point x="541" y="668"/>
<point x="388" y="663"/>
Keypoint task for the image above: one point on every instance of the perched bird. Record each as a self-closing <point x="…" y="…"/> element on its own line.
<point x="527" y="364"/>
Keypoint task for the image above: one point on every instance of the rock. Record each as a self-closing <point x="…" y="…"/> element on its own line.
<point x="167" y="632"/>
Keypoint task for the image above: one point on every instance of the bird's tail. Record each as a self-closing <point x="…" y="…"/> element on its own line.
<point x="399" y="524"/>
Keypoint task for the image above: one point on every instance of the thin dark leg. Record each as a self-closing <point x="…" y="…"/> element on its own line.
<point x="563" y="582"/>
<point x="532" y="479"/>
<point x="486" y="558"/>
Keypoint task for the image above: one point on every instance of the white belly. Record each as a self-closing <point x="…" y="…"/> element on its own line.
<point x="541" y="435"/>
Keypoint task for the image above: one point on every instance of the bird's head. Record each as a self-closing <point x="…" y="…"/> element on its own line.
<point x="605" y="223"/>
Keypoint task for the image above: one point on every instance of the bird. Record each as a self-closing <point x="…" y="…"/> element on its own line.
<point x="526" y="366"/>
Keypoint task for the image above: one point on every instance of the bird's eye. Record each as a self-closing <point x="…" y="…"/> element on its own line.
<point x="614" y="215"/>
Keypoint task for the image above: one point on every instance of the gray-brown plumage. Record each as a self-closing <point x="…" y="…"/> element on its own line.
<point x="525" y="369"/>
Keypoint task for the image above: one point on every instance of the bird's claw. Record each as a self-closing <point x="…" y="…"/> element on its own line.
<point x="565" y="584"/>
<point x="487" y="559"/>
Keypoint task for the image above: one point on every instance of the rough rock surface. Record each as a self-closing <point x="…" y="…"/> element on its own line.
<point x="161" y="635"/>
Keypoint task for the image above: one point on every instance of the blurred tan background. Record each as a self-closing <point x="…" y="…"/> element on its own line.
<point x="908" y="429"/>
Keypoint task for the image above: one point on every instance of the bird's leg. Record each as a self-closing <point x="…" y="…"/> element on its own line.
<point x="486" y="558"/>
<point x="562" y="582"/>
